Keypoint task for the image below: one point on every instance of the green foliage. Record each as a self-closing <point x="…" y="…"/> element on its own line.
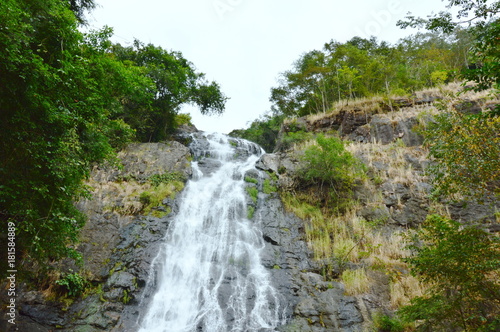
<point x="73" y="283"/>
<point x="484" y="28"/>
<point x="330" y="166"/>
<point x="145" y="197"/>
<point x="79" y="7"/>
<point x="68" y="101"/>
<point x="480" y="10"/>
<point x="251" y="180"/>
<point x="364" y="67"/>
<point x="267" y="188"/>
<point x="384" y="323"/>
<point x="183" y="119"/>
<point x="253" y="192"/>
<point x="172" y="82"/>
<point x="461" y="265"/>
<point x="250" y="212"/>
<point x="263" y="131"/>
<point x="126" y="297"/>
<point x="164" y="185"/>
<point x="294" y="137"/>
<point x="157" y="179"/>
<point x="55" y="123"/>
<point x="466" y="149"/>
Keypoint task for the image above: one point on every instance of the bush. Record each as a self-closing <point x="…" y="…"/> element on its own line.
<point x="268" y="188"/>
<point x="461" y="265"/>
<point x="291" y="138"/>
<point x="183" y="119"/>
<point x="73" y="283"/>
<point x="333" y="169"/>
<point x="466" y="149"/>
<point x="384" y="323"/>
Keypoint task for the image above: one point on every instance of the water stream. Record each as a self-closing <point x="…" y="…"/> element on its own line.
<point x="208" y="273"/>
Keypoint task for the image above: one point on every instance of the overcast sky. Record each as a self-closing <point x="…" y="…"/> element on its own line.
<point x="245" y="44"/>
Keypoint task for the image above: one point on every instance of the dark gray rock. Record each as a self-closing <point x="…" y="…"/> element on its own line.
<point x="352" y="121"/>
<point x="382" y="129"/>
<point x="412" y="213"/>
<point x="468" y="107"/>
<point x="385" y="130"/>
<point x="395" y="193"/>
<point x="121" y="279"/>
<point x="269" y="162"/>
<point x="377" y="214"/>
<point x="361" y="134"/>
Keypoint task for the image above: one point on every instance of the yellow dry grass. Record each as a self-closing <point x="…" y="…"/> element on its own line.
<point x="404" y="288"/>
<point x="348" y="238"/>
<point x="448" y="94"/>
<point x="355" y="281"/>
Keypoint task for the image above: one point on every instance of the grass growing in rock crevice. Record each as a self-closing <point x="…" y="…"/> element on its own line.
<point x="349" y="247"/>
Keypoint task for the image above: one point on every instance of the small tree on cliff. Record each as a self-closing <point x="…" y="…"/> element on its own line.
<point x="462" y="267"/>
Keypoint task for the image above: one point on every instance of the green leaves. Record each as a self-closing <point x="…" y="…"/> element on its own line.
<point x="171" y="82"/>
<point x="330" y="167"/>
<point x="462" y="266"/>
<point x="73" y="283"/>
<point x="467" y="150"/>
<point x="364" y="67"/>
<point x="330" y="163"/>
<point x="68" y="100"/>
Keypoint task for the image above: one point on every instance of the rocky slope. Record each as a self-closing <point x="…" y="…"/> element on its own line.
<point x="393" y="199"/>
<point x="124" y="229"/>
<point x="117" y="243"/>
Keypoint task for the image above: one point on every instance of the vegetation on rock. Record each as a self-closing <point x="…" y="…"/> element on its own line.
<point x="69" y="100"/>
<point x="462" y="266"/>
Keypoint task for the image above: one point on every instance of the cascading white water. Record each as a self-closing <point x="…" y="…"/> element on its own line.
<point x="209" y="275"/>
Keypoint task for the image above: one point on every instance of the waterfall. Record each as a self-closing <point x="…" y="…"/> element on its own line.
<point x="208" y="274"/>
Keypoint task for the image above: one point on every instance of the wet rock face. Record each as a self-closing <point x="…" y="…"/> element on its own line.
<point x="117" y="246"/>
<point x="312" y="304"/>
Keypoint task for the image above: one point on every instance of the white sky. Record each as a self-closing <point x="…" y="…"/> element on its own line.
<point x="244" y="44"/>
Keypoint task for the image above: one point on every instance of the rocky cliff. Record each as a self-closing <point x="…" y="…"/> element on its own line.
<point x="130" y="212"/>
<point x="392" y="199"/>
<point x="117" y="243"/>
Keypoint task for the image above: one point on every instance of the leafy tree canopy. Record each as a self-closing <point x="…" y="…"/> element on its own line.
<point x="364" y="67"/>
<point x="67" y="101"/>
<point x="175" y="82"/>
<point x="461" y="265"/>
<point x="469" y="11"/>
<point x="482" y="18"/>
<point x="263" y="131"/>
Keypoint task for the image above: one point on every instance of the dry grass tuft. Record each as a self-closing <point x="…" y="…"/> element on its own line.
<point x="355" y="281"/>
<point x="403" y="289"/>
<point x="350" y="241"/>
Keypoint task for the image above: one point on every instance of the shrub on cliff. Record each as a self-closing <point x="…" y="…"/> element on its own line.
<point x="328" y="166"/>
<point x="461" y="265"/>
<point x="467" y="150"/>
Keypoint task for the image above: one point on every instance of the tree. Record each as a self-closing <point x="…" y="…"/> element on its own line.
<point x="263" y="131"/>
<point x="461" y="265"/>
<point x="65" y="99"/>
<point x="56" y="104"/>
<point x="364" y="67"/>
<point x="175" y="83"/>
<point x="466" y="147"/>
<point x="79" y="7"/>
<point x="482" y="17"/>
<point x="478" y="12"/>
<point x="330" y="168"/>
